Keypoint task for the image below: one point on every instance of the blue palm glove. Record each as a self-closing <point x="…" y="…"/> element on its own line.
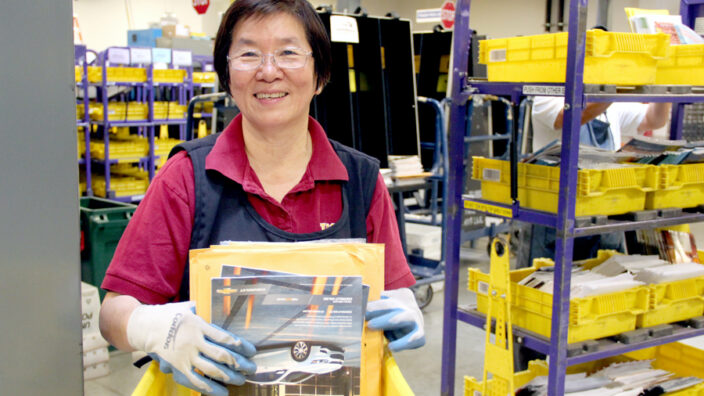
<point x="197" y="353"/>
<point x="397" y="313"/>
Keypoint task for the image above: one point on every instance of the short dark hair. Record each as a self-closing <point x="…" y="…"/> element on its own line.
<point x="300" y="9"/>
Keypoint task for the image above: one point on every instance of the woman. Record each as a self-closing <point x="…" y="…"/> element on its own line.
<point x="272" y="175"/>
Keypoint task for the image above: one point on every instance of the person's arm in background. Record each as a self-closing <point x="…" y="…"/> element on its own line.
<point x="590" y="112"/>
<point x="656" y="116"/>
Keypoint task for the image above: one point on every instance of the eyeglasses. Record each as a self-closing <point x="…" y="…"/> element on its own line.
<point x="286" y="58"/>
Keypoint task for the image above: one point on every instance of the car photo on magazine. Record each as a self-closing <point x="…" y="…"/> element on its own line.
<point x="307" y="329"/>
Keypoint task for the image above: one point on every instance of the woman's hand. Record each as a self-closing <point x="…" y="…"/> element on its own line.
<point x="397" y="313"/>
<point x="197" y="353"/>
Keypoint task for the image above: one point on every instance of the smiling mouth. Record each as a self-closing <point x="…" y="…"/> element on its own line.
<point x="270" y="95"/>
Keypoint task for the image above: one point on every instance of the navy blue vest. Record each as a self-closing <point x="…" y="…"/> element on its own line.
<point x="223" y="212"/>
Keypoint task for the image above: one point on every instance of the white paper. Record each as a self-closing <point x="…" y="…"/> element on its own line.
<point x="161" y="55"/>
<point x="343" y="29"/>
<point x="140" y="56"/>
<point x="182" y="58"/>
<point x="119" y="55"/>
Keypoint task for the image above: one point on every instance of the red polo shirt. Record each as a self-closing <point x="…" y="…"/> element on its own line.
<point x="149" y="259"/>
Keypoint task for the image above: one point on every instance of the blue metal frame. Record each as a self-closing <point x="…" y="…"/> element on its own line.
<point x="564" y="220"/>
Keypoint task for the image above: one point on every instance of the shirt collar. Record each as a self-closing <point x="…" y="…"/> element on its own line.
<point x="228" y="155"/>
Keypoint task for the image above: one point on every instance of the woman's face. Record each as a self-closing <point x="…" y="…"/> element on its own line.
<point x="270" y="96"/>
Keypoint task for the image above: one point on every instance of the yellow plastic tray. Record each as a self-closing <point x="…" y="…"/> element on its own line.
<point x="79" y="72"/>
<point x="117" y="74"/>
<point x="162" y="147"/>
<point x="203" y="77"/>
<point x="169" y="111"/>
<point x="473" y="387"/>
<point x="679" y="186"/>
<point x="123" y="150"/>
<point x="684" y="65"/>
<point x="590" y="317"/>
<point x="610" y="57"/>
<point x="127" y="169"/>
<point x="605" y="192"/>
<point x="680" y="359"/>
<point x="122" y="186"/>
<point x="136" y="111"/>
<point x="169" y="75"/>
<point x="81" y="138"/>
<point x="673" y="301"/>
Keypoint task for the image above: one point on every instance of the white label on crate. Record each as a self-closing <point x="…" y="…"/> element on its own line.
<point x="208" y="68"/>
<point x="493" y="175"/>
<point x="137" y="197"/>
<point x="543" y="90"/>
<point x="140" y="56"/>
<point x="119" y="55"/>
<point x="182" y="58"/>
<point x="161" y="55"/>
<point x="343" y="29"/>
<point x="497" y="55"/>
<point x="482" y="288"/>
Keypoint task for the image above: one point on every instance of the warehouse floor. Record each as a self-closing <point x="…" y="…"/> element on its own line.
<point x="420" y="367"/>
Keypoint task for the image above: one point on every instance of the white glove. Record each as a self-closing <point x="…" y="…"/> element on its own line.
<point x="181" y="342"/>
<point x="397" y="313"/>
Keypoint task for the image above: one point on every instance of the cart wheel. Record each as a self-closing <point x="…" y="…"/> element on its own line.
<point x="423" y="295"/>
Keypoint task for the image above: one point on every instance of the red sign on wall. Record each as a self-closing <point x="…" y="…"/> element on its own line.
<point x="201" y="6"/>
<point x="447" y="14"/>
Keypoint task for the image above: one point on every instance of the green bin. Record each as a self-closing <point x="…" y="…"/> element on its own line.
<point x="102" y="223"/>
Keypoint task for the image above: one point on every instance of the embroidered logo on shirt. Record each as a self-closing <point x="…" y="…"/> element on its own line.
<point x="324" y="226"/>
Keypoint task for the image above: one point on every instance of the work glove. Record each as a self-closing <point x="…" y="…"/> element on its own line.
<point x="182" y="342"/>
<point x="397" y="313"/>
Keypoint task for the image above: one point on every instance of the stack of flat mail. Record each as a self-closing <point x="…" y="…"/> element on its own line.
<point x="405" y="165"/>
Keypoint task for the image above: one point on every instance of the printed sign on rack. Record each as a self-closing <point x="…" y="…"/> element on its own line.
<point x="182" y="58"/>
<point x="447" y="14"/>
<point x="343" y="29"/>
<point x="161" y="55"/>
<point x="139" y="56"/>
<point x="428" y="15"/>
<point x="119" y="55"/>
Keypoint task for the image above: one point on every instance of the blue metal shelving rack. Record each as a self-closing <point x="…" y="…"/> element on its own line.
<point x="564" y="221"/>
<point x="144" y="92"/>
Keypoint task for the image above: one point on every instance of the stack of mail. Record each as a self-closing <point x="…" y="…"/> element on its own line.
<point x="619" y="379"/>
<point x="405" y="165"/>
<point x="584" y="283"/>
<point x="670" y="272"/>
<point x="301" y="305"/>
<point x="618" y="264"/>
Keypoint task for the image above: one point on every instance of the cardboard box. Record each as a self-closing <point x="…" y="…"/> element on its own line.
<point x="90" y="308"/>
<point x="175" y="31"/>
<point x="96" y="371"/>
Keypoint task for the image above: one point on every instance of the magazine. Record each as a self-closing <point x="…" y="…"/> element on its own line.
<point x="307" y="329"/>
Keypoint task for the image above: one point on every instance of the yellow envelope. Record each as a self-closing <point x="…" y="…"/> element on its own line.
<point x="329" y="259"/>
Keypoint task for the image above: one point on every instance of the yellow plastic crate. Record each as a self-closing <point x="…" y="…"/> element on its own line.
<point x="203" y="77"/>
<point x="473" y="387"/>
<point x="590" y="317"/>
<point x="122" y="150"/>
<point x="610" y="57"/>
<point x="117" y="74"/>
<point x="673" y="301"/>
<point x="162" y="147"/>
<point x="605" y="192"/>
<point x="127" y="169"/>
<point x="169" y="75"/>
<point x="80" y="111"/>
<point x="79" y="72"/>
<point x="81" y="138"/>
<point x="122" y="186"/>
<point x="679" y="186"/>
<point x="136" y="111"/>
<point x="684" y="65"/>
<point x="682" y="359"/>
<point x="169" y="111"/>
<point x="205" y="107"/>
